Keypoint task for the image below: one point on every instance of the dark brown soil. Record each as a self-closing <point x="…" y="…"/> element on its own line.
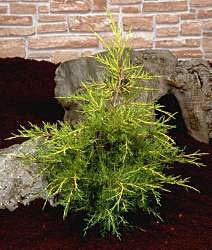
<point x="26" y="94"/>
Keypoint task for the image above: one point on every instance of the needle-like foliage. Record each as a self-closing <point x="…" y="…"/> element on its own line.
<point x="113" y="161"/>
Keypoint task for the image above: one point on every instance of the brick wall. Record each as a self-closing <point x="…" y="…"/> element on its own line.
<point x="57" y="30"/>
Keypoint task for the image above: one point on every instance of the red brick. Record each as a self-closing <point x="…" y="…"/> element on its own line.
<point x="188" y="53"/>
<point x="207" y="34"/>
<point x="71" y="7"/>
<point x="39" y="55"/>
<point x="108" y="39"/>
<point x="131" y="9"/>
<point x="124" y="1"/>
<point x="52" y="27"/>
<point x="192" y="43"/>
<point x="207" y="25"/>
<point x="190" y="29"/>
<point x="3" y="9"/>
<point x="43" y="9"/>
<point x="51" y="18"/>
<point x="20" y="8"/>
<point x="11" y="31"/>
<point x="138" y="23"/>
<point x="52" y="42"/>
<point x="185" y="43"/>
<point x="207" y="44"/>
<point x="15" y="20"/>
<point x="167" y="31"/>
<point x="56" y="56"/>
<point x="167" y="19"/>
<point x="62" y="56"/>
<point x="201" y="3"/>
<point x="99" y="5"/>
<point x="140" y="43"/>
<point x="188" y="16"/>
<point x="168" y="6"/>
<point x="12" y="48"/>
<point x="7" y="1"/>
<point x="114" y="9"/>
<point x="88" y="23"/>
<point x="169" y="44"/>
<point x="193" y="10"/>
<point x="35" y="0"/>
<point x="203" y="14"/>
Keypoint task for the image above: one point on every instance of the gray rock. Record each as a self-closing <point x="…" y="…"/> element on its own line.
<point x="190" y="81"/>
<point x="19" y="183"/>
<point x="69" y="76"/>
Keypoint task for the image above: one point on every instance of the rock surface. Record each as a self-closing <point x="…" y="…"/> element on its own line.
<point x="189" y="81"/>
<point x="19" y="182"/>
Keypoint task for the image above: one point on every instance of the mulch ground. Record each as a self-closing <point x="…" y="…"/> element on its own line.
<point x="27" y="94"/>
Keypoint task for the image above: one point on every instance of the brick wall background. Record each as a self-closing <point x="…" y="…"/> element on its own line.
<point x="58" y="30"/>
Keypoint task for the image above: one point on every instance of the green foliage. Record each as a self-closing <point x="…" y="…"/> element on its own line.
<point x="113" y="161"/>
